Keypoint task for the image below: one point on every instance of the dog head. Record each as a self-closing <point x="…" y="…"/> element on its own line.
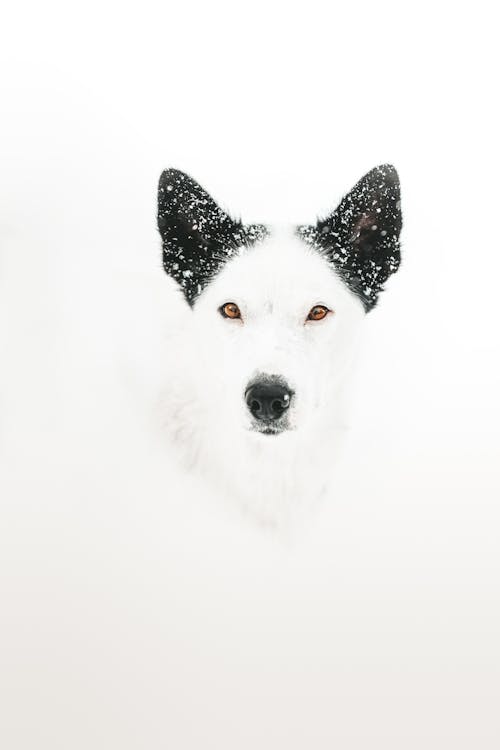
<point x="276" y="312"/>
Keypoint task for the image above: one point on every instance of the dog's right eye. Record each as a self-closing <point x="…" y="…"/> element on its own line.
<point x="230" y="310"/>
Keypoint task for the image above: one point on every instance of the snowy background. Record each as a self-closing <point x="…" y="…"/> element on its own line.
<point x="135" y="613"/>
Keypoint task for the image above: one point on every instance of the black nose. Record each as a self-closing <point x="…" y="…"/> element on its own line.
<point x="268" y="400"/>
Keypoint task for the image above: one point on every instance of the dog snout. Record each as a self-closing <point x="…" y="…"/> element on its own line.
<point x="267" y="400"/>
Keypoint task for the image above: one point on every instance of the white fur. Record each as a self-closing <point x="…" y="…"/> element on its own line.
<point x="275" y="284"/>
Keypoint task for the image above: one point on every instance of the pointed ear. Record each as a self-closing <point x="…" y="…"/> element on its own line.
<point x="361" y="237"/>
<point x="198" y="237"/>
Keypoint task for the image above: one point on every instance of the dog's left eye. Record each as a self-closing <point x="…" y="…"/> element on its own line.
<point x="318" y="312"/>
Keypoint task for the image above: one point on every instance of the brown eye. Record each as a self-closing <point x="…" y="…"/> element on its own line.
<point x="230" y="310"/>
<point x="318" y="312"/>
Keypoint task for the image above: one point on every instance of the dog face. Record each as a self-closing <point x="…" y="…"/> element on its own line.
<point x="276" y="313"/>
<point x="276" y="330"/>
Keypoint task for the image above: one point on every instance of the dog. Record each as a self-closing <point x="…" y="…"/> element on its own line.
<point x="257" y="397"/>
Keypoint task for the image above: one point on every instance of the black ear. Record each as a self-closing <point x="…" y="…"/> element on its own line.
<point x="361" y="237"/>
<point x="198" y="236"/>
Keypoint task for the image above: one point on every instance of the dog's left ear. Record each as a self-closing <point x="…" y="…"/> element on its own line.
<point x="198" y="236"/>
<point x="361" y="237"/>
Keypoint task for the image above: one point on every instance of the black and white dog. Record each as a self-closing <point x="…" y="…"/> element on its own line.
<point x="258" y="390"/>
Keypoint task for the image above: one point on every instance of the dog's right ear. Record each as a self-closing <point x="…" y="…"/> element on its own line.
<point x="198" y="236"/>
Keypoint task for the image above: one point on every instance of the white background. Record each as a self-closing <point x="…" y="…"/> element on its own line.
<point x="135" y="613"/>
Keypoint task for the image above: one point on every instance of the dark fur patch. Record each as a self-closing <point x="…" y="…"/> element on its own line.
<point x="198" y="236"/>
<point x="361" y="237"/>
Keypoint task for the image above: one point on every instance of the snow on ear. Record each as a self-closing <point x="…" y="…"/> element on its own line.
<point x="198" y="236"/>
<point x="361" y="237"/>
